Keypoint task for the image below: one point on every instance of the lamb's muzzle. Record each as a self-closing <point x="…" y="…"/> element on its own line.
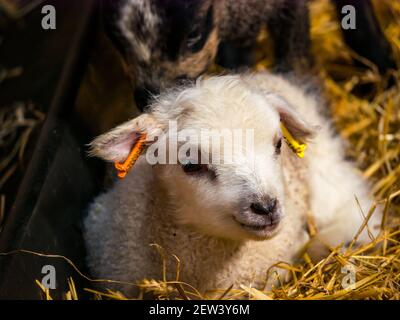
<point x="261" y="218"/>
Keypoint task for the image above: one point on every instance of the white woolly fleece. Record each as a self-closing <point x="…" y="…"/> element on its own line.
<point x="191" y="217"/>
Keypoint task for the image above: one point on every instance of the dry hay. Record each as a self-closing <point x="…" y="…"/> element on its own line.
<point x="371" y="125"/>
<point x="17" y="122"/>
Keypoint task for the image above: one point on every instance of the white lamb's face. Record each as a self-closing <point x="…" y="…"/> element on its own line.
<point x="239" y="200"/>
<point x="226" y="179"/>
<point x="239" y="197"/>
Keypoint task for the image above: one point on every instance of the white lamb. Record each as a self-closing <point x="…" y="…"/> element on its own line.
<point x="227" y="222"/>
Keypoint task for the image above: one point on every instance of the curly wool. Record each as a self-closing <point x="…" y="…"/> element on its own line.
<point x="142" y="210"/>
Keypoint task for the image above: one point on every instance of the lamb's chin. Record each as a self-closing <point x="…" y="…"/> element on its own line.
<point x="261" y="234"/>
<point x="238" y="233"/>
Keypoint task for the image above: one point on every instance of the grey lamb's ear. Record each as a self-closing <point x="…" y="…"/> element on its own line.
<point x="116" y="144"/>
<point x="299" y="128"/>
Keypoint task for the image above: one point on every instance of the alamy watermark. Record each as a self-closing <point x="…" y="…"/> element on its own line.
<point x="349" y="279"/>
<point x="204" y="146"/>
<point x="349" y="20"/>
<point x="49" y="280"/>
<point x="49" y="18"/>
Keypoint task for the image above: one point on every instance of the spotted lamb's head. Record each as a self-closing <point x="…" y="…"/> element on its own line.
<point x="164" y="41"/>
<point x="221" y="140"/>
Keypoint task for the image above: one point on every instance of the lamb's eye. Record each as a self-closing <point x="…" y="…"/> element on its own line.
<point x="278" y="146"/>
<point x="193" y="168"/>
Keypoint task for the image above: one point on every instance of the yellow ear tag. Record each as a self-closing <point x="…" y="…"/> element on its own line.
<point x="297" y="147"/>
<point x="123" y="168"/>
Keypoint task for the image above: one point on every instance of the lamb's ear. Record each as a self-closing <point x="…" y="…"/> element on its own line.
<point x="116" y="144"/>
<point x="299" y="128"/>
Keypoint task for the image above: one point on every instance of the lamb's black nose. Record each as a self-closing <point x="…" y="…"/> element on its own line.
<point x="264" y="208"/>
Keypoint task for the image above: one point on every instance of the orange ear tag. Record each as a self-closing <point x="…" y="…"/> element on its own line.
<point x="123" y="168"/>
